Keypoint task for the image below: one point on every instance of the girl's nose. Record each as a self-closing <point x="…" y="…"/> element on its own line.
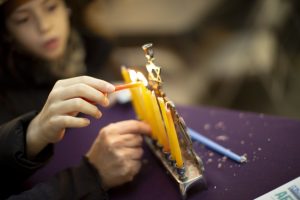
<point x="43" y="23"/>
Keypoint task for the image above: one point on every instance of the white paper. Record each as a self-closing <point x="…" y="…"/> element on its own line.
<point x="288" y="191"/>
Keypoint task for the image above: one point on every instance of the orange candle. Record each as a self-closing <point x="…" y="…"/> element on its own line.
<point x="127" y="86"/>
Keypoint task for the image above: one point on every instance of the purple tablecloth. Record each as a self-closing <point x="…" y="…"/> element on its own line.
<point x="271" y="144"/>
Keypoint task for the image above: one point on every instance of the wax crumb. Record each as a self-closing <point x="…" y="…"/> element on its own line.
<point x="215" y="187"/>
<point x="259" y="148"/>
<point x="269" y="140"/>
<point x="230" y="166"/>
<point x="222" y="138"/>
<point x="242" y="142"/>
<point x="220" y="125"/>
<point x="219" y="165"/>
<point x="207" y="127"/>
<point x="224" y="158"/>
<point x="209" y="161"/>
<point x="211" y="154"/>
<point x="250" y="135"/>
<point x="234" y="174"/>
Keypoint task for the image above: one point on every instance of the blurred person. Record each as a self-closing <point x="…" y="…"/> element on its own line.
<point x="26" y="144"/>
<point x="40" y="45"/>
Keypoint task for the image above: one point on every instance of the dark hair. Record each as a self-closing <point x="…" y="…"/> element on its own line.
<point x="3" y="39"/>
<point x="78" y="7"/>
<point x="2" y="23"/>
<point x="8" y="69"/>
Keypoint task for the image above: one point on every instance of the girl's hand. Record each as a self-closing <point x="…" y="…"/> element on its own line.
<point x="116" y="153"/>
<point x="67" y="98"/>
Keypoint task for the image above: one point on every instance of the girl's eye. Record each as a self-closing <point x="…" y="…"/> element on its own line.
<point x="21" y="20"/>
<point x="52" y="7"/>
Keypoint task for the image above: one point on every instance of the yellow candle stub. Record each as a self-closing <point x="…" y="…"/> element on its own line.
<point x="171" y="133"/>
<point x="162" y="134"/>
<point x="135" y="96"/>
<point x="174" y="140"/>
<point x="125" y="75"/>
<point x="149" y="112"/>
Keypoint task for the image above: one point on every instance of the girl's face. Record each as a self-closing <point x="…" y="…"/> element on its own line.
<point x="40" y="27"/>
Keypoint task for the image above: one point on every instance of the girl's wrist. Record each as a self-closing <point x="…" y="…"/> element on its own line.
<point x="34" y="142"/>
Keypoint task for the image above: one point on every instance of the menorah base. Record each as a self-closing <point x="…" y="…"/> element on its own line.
<point x="189" y="175"/>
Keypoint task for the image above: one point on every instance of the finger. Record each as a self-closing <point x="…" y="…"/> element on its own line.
<point x="65" y="121"/>
<point x="98" y="84"/>
<point x="131" y="153"/>
<point x="117" y="142"/>
<point x="77" y="105"/>
<point x="81" y="90"/>
<point x="132" y="127"/>
<point x="131" y="140"/>
<point x="73" y="114"/>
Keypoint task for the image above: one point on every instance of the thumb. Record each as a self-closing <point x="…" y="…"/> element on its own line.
<point x="134" y="127"/>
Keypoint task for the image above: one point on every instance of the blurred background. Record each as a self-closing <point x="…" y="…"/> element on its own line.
<point x="237" y="54"/>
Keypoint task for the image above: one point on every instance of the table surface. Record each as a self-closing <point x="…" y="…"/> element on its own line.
<point x="270" y="143"/>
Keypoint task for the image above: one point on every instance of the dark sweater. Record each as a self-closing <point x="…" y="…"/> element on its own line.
<point x="21" y="93"/>
<point x="80" y="182"/>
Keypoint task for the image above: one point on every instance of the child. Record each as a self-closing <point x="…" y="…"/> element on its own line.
<point x="38" y="47"/>
<point x="26" y="144"/>
<point x="36" y="37"/>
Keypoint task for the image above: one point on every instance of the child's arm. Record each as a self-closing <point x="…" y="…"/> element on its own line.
<point x="113" y="159"/>
<point x="67" y="98"/>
